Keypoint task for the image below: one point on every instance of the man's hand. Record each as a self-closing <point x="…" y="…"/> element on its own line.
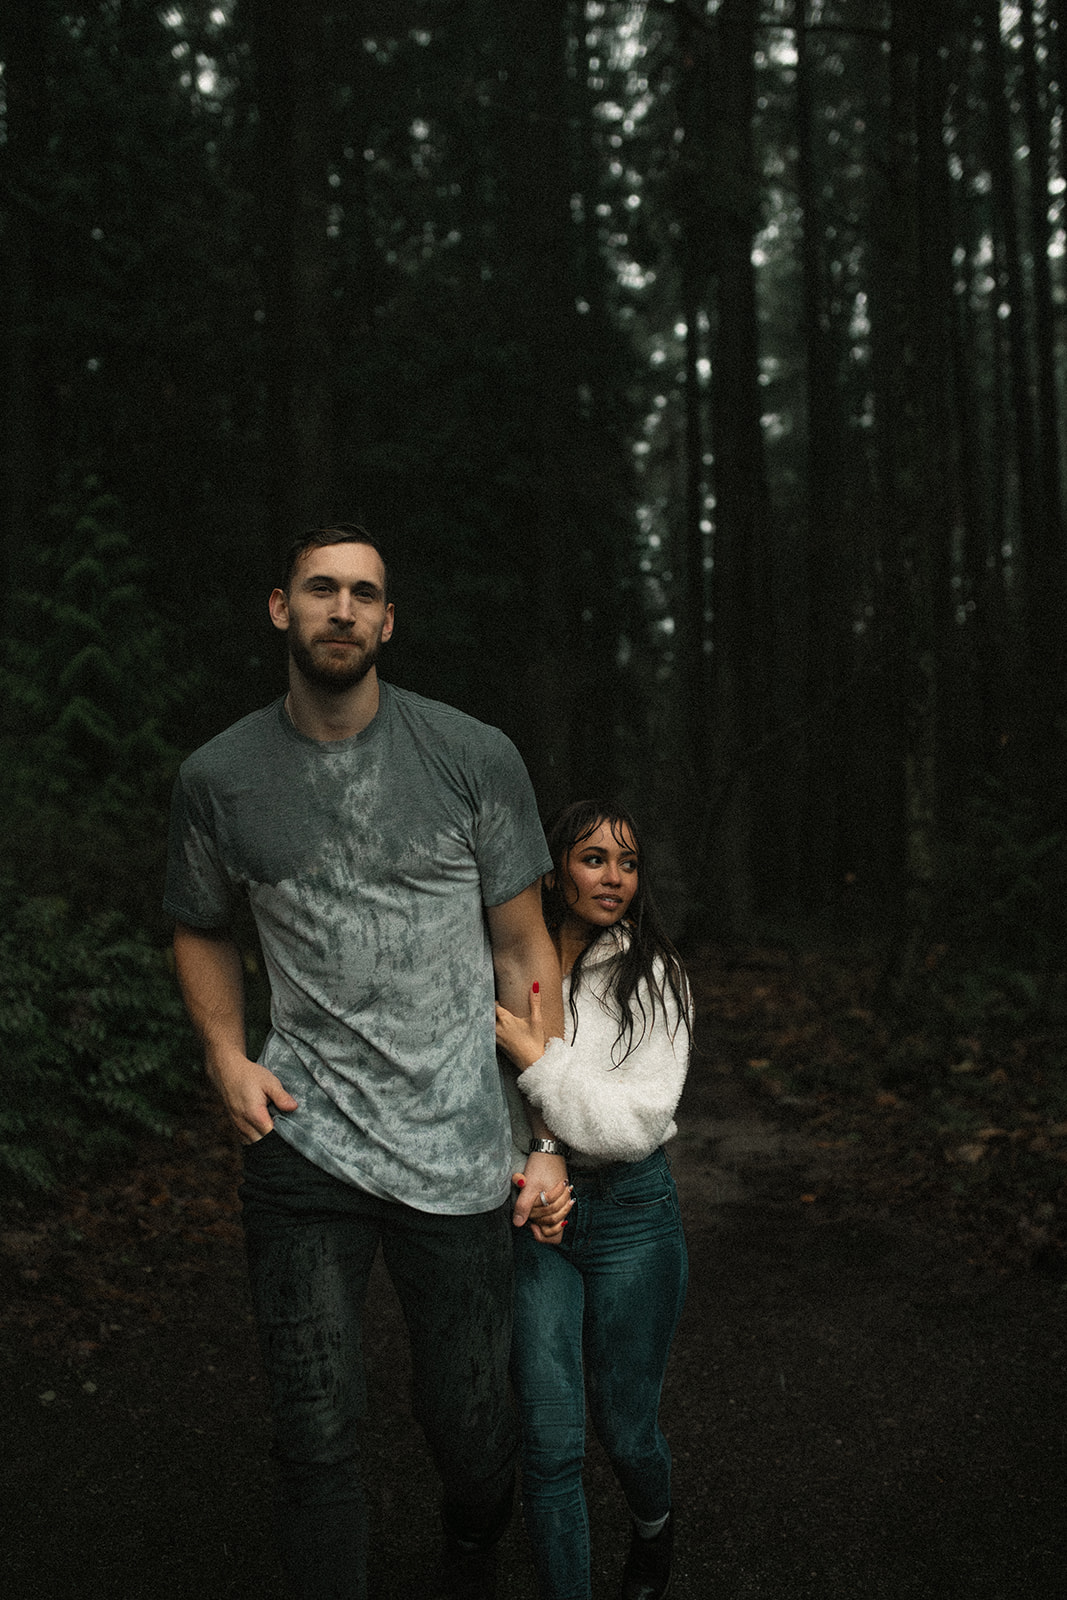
<point x="248" y="1092"/>
<point x="545" y="1175"/>
<point x="212" y="984"/>
<point x="530" y="1012"/>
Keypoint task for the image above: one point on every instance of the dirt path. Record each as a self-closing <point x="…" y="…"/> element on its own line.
<point x="856" y="1413"/>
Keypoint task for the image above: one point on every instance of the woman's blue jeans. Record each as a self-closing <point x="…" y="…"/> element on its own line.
<point x="311" y="1242"/>
<point x="595" y="1317"/>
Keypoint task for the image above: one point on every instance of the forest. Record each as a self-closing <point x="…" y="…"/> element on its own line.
<point x="701" y="364"/>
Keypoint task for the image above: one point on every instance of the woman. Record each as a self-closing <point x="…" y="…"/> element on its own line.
<point x="612" y="1289"/>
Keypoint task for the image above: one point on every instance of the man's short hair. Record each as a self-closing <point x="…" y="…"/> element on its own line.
<point x="334" y="533"/>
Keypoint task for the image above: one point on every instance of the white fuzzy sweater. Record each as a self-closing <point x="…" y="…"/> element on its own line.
<point x="603" y="1111"/>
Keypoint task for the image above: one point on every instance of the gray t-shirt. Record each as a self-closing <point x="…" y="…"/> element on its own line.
<point x="367" y="863"/>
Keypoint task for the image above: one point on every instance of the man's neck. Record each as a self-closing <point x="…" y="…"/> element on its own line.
<point x="320" y="714"/>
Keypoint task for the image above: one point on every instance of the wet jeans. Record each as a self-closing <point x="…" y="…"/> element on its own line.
<point x="611" y="1293"/>
<point x="311" y="1241"/>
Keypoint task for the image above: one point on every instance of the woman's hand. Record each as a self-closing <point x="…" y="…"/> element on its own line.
<point x="522" y="1039"/>
<point x="548" y="1215"/>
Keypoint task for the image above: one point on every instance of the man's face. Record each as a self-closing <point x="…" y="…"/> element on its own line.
<point x="335" y="614"/>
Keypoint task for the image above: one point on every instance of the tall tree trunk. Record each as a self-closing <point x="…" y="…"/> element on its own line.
<point x="536" y="295"/>
<point x="1047" y="588"/>
<point x="692" y="197"/>
<point x="25" y="265"/>
<point x="1040" y="551"/>
<point x="739" y="658"/>
<point x="984" y="635"/>
<point x="943" y="494"/>
<point x="914" y="402"/>
<point x="294" y="69"/>
<point x="827" y="663"/>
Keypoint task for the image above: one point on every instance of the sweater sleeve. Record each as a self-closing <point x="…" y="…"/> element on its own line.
<point x="609" y="1112"/>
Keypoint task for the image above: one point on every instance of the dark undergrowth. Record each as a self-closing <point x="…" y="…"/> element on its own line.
<point x="957" y="1110"/>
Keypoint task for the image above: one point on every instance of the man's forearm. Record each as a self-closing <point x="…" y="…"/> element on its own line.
<point x="518" y="968"/>
<point x="211" y="977"/>
<point x="516" y="972"/>
<point x="212" y="982"/>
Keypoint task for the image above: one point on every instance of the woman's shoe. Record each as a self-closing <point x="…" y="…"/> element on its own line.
<point x="647" y="1573"/>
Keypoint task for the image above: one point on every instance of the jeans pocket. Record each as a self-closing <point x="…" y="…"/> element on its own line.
<point x="642" y="1202"/>
<point x="645" y="1189"/>
<point x="255" y="1150"/>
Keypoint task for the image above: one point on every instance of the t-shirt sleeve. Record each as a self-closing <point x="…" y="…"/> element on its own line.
<point x="199" y="890"/>
<point x="510" y="842"/>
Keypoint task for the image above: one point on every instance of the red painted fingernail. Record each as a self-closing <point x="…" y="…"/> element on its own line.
<point x="520" y="1183"/>
<point x="537" y="987"/>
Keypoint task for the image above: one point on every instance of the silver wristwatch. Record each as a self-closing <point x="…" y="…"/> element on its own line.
<point x="547" y="1147"/>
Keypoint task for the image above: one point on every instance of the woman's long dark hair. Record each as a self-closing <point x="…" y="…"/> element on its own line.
<point x="649" y="947"/>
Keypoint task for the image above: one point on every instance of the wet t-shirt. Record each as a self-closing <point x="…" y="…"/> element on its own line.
<point x="367" y="864"/>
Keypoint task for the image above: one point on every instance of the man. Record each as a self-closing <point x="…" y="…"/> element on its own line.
<point x="390" y="850"/>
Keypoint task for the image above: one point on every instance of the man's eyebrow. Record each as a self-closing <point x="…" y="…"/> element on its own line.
<point x="361" y="586"/>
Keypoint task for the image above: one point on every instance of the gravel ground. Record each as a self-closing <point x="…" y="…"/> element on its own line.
<point x="857" y="1413"/>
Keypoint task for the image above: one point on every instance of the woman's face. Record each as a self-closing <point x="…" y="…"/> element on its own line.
<point x="599" y="877"/>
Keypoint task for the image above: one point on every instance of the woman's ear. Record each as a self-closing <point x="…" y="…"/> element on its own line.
<point x="548" y="881"/>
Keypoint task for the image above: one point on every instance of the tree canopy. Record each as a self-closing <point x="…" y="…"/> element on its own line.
<point x="701" y="362"/>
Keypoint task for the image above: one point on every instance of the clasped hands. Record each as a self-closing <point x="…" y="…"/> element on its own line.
<point x="522" y="1040"/>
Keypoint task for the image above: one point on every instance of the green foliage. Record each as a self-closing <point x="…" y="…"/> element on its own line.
<point x="997" y="949"/>
<point x="87" y="688"/>
<point x="91" y="1026"/>
<point x="93" y="1041"/>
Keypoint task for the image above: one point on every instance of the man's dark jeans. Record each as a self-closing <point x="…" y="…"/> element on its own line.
<point x="311" y="1242"/>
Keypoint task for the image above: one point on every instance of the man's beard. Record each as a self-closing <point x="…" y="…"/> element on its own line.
<point x="338" y="676"/>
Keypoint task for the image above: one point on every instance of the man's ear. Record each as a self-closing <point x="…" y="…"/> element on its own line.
<point x="387" y="625"/>
<point x="278" y="606"/>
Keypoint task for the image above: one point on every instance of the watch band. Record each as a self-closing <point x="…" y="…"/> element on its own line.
<point x="547" y="1147"/>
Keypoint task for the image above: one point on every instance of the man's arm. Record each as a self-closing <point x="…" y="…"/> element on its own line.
<point x="523" y="954"/>
<point x="212" y="985"/>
